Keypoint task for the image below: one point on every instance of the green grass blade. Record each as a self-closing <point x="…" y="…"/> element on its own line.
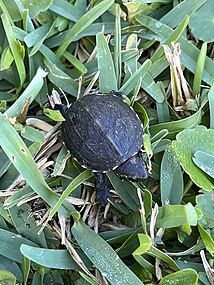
<point x="67" y="10"/>
<point x="176" y="15"/>
<point x="199" y="69"/>
<point x="162" y="108"/>
<point x="171" y="179"/>
<point x="152" y="88"/>
<point x="107" y="77"/>
<point x="29" y="94"/>
<point x="211" y="105"/>
<point x="75" y="62"/>
<point x="20" y="156"/>
<point x="189" y="53"/>
<point x="103" y="256"/>
<point x="59" y="78"/>
<point x="51" y="258"/>
<point x="73" y="185"/>
<point x="83" y="23"/>
<point x="177" y="126"/>
<point x="10" y="245"/>
<point x="15" y="48"/>
<point x="5" y="11"/>
<point x="117" y="45"/>
<point x="131" y="82"/>
<point x="174" y="37"/>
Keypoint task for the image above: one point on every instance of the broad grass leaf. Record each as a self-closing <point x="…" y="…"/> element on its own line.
<point x="35" y="7"/>
<point x="20" y="156"/>
<point x="206" y="222"/>
<point x="171" y="179"/>
<point x="199" y="69"/>
<point x="7" y="278"/>
<point x="51" y="258"/>
<point x="71" y="187"/>
<point x="207" y="239"/>
<point x="9" y="265"/>
<point x="83" y="23"/>
<point x="29" y="94"/>
<point x="103" y="256"/>
<point x="186" y="144"/>
<point x="201" y="22"/>
<point x="147" y="248"/>
<point x="59" y="78"/>
<point x="176" y="15"/>
<point x="176" y="215"/>
<point x="182" y="277"/>
<point x="66" y="10"/>
<point x="15" y="48"/>
<point x="9" y="8"/>
<point x="107" y="76"/>
<point x="189" y="53"/>
<point x="32" y="134"/>
<point x="205" y="162"/>
<point x="176" y="126"/>
<point x="10" y="245"/>
<point x="6" y="59"/>
<point x="211" y="105"/>
<point x="25" y="225"/>
<point x="54" y="115"/>
<point x="130" y="84"/>
<point x="126" y="190"/>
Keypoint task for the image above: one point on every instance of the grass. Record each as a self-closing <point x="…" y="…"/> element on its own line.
<point x="157" y="54"/>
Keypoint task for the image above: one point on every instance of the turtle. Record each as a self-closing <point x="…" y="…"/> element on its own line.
<point x="104" y="133"/>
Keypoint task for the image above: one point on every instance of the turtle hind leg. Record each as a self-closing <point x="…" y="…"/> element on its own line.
<point x="102" y="191"/>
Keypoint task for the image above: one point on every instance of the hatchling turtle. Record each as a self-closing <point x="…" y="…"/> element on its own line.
<point x="104" y="133"/>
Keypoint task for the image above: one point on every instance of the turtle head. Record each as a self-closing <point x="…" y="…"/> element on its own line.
<point x="133" y="168"/>
<point x="56" y="103"/>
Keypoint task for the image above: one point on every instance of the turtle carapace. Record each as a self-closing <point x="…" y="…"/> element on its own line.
<point x="104" y="133"/>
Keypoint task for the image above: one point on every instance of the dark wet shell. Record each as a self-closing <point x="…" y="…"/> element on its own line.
<point x="101" y="131"/>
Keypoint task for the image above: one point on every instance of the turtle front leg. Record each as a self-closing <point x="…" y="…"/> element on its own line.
<point x="102" y="191"/>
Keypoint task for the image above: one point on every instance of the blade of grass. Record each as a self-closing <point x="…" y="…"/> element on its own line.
<point x="75" y="62"/>
<point x="176" y="15"/>
<point x="150" y="86"/>
<point x="30" y="94"/>
<point x="51" y="258"/>
<point x="73" y="185"/>
<point x="59" y="78"/>
<point x="107" y="76"/>
<point x="177" y="126"/>
<point x="5" y="11"/>
<point x="16" y="150"/>
<point x="15" y="48"/>
<point x="10" y="245"/>
<point x="199" y="69"/>
<point x="130" y="64"/>
<point x="83" y="23"/>
<point x="174" y="36"/>
<point x="66" y="10"/>
<point x="117" y="45"/>
<point x="171" y="179"/>
<point x="189" y="53"/>
<point x="211" y="105"/>
<point x="131" y="82"/>
<point x="103" y="256"/>
<point x="162" y="108"/>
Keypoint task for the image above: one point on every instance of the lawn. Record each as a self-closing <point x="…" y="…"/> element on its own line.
<point x="157" y="55"/>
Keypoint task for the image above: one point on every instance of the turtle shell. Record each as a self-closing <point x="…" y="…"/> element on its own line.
<point x="101" y="131"/>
